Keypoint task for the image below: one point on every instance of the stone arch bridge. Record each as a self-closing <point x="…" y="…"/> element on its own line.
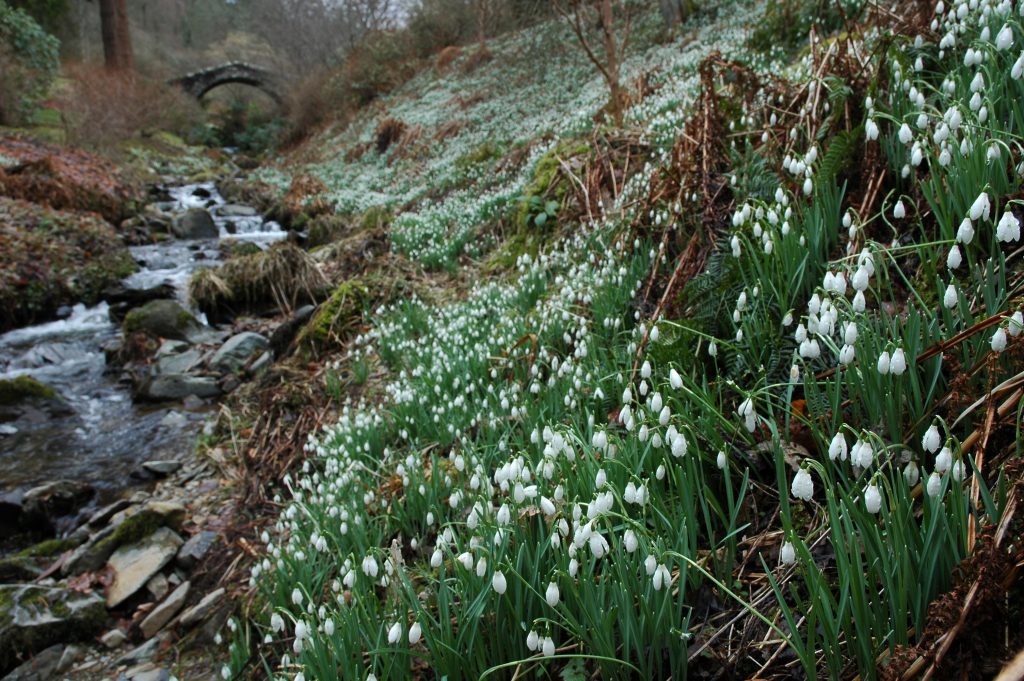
<point x="199" y="83"/>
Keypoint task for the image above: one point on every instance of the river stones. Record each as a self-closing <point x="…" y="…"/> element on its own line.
<point x="236" y="352"/>
<point x="167" y="609"/>
<point x="33" y="618"/>
<point x="179" y="386"/>
<point x="135" y="564"/>
<point x="164" y="319"/>
<point x="195" y="223"/>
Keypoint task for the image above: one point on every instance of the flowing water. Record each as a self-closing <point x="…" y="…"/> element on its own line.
<point x="102" y="437"/>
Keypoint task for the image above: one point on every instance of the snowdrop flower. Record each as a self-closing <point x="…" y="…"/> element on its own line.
<point x="1008" y="228"/>
<point x="722" y="462"/>
<point x="846" y="355"/>
<point x="395" y="633"/>
<point x="980" y="208"/>
<point x="802" y="486"/>
<point x="1004" y="39"/>
<point x="787" y="554"/>
<point x="276" y="623"/>
<point x="958" y="471"/>
<point x="674" y="379"/>
<point x="735" y="243"/>
<point x="954" y="259"/>
<point x="871" y="129"/>
<point x="932" y="440"/>
<point x="905" y="134"/>
<point x="899" y="211"/>
<point x="415" y="633"/>
<point x="860" y="279"/>
<point x="629" y="540"/>
<point x="532" y="640"/>
<point x="951" y="298"/>
<point x="662" y="577"/>
<point x="911" y="473"/>
<point x="934" y="484"/>
<point x="944" y="460"/>
<point x="296" y="596"/>
<point x="808" y="187"/>
<point x="548" y="647"/>
<point x="999" y="340"/>
<point x="898" y="364"/>
<point x="1016" y="324"/>
<point x="872" y="499"/>
<point x="713" y="346"/>
<point x="498" y="583"/>
<point x="965" y="233"/>
<point x="837" y="448"/>
<point x="552" y="595"/>
<point x="884" y="362"/>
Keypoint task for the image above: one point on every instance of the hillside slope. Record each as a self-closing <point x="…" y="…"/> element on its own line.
<point x="733" y="390"/>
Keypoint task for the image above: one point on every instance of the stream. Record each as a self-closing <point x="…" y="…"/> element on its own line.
<point x="103" y="437"/>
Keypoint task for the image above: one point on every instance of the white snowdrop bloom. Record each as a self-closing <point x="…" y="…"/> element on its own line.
<point x="847" y="354"/>
<point x="598" y="545"/>
<point x="674" y="379"/>
<point x="899" y="211"/>
<point x="800" y="335"/>
<point x="958" y="471"/>
<point x="630" y="541"/>
<point x="850" y="333"/>
<point x="905" y="134"/>
<point x="1016" y="324"/>
<point x="871" y="129"/>
<point x="954" y="259"/>
<point x="884" y="362"/>
<point x="945" y="158"/>
<point x="654" y="334"/>
<point x="981" y="207"/>
<point x="978" y="82"/>
<point x="722" y="461"/>
<point x="601" y="479"/>
<point x="860" y="279"/>
<point x="645" y="370"/>
<point x="802" y="486"/>
<point x="1004" y="39"/>
<point x="1008" y="228"/>
<point x="481" y="566"/>
<point x="787" y="319"/>
<point x="911" y="473"/>
<point x="548" y="647"/>
<point x="951" y="297"/>
<point x="679" y="445"/>
<point x="965" y="232"/>
<point x="466" y="559"/>
<point x="899" y="362"/>
<point x="436" y="558"/>
<point x="1017" y="70"/>
<point x="934" y="485"/>
<point x="547" y="507"/>
<point x="916" y="156"/>
<point x="872" y="499"/>
<point x="395" y="633"/>
<point x="650" y="564"/>
<point x="735" y="244"/>
<point x="713" y="347"/>
<point x="533" y="640"/>
<point x="944" y="460"/>
<point x="656" y="402"/>
<point x="932" y="439"/>
<point x="664" y="416"/>
<point x="296" y="596"/>
<point x="551" y="595"/>
<point x="787" y="554"/>
<point x="415" y="633"/>
<point x="808" y="186"/>
<point x="999" y="340"/>
<point x="498" y="582"/>
<point x="662" y="577"/>
<point x="276" y="623"/>
<point x="837" y="448"/>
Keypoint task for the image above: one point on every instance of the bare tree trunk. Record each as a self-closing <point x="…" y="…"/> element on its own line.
<point x="117" y="39"/>
<point x="612" y="56"/>
<point x="574" y="11"/>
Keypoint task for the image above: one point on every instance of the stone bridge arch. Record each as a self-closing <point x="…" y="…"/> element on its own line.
<point x="199" y="83"/>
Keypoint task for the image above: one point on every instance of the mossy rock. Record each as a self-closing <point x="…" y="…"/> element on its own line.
<point x="17" y="391"/>
<point x="51" y="548"/>
<point x="35" y="617"/>
<point x="337" y="318"/>
<point x="325" y="229"/>
<point x="164" y="319"/>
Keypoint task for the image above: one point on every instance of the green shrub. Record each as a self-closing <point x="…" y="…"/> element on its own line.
<point x="31" y="62"/>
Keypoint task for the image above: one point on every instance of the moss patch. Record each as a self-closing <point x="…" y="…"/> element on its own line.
<point x="547" y="183"/>
<point x="23" y="388"/>
<point x="337" y="317"/>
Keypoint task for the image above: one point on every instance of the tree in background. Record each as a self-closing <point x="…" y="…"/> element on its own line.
<point x="117" y="37"/>
<point x="580" y="15"/>
<point x="676" y="11"/>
